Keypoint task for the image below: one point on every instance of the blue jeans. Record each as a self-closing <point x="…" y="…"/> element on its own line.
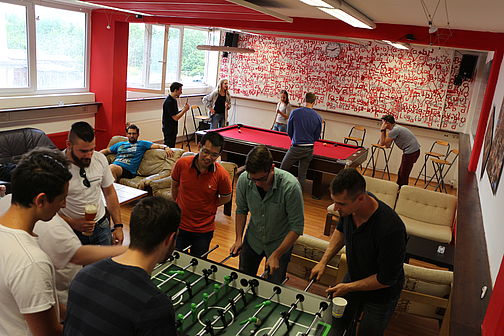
<point x="199" y="242"/>
<point x="250" y="260"/>
<point x="217" y="120"/>
<point x="280" y="127"/>
<point x="101" y="235"/>
<point x="374" y="321"/>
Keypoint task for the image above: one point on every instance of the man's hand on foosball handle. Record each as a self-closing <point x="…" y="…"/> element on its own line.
<point x="236" y="248"/>
<point x="273" y="263"/>
<point x="317" y="271"/>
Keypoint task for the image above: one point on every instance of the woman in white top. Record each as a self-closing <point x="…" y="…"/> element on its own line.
<point x="283" y="110"/>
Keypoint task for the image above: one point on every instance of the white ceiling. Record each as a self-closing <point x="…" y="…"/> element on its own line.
<point x="479" y="15"/>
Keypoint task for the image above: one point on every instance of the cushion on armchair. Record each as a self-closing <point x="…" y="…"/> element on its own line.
<point x="385" y="191"/>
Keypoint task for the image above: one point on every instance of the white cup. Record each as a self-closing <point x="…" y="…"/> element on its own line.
<point x="338" y="307"/>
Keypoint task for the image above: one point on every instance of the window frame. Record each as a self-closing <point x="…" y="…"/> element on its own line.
<point x="32" y="48"/>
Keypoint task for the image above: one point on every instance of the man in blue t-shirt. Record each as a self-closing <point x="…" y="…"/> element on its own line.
<point x="304" y="128"/>
<point x="130" y="153"/>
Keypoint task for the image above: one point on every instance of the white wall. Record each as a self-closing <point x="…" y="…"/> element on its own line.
<point x="492" y="205"/>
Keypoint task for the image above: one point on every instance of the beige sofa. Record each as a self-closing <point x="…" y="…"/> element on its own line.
<point x="155" y="165"/>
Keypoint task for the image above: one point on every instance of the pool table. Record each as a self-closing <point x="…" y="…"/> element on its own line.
<point x="329" y="157"/>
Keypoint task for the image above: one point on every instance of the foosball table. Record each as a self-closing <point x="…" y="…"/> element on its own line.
<point x="213" y="299"/>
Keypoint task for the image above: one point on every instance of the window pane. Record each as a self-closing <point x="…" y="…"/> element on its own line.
<point x="156" y="59"/>
<point x="136" y="55"/>
<point x="13" y="47"/>
<point x="193" y="60"/>
<point x="61" y="44"/>
<point x="173" y="55"/>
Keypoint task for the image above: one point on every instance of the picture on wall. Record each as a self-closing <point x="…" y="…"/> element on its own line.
<point x="488" y="141"/>
<point x="496" y="157"/>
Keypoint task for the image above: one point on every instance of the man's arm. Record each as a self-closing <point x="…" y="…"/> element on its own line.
<point x="223" y="199"/>
<point x="367" y="284"/>
<point x="79" y="224"/>
<point x="174" y="189"/>
<point x="335" y="244"/>
<point x="167" y="149"/>
<point x="240" y="221"/>
<point x="273" y="261"/>
<point x="44" y="323"/>
<point x="181" y="112"/>
<point x="106" y="151"/>
<point x="384" y="139"/>
<point x="115" y="212"/>
<point x="88" y="254"/>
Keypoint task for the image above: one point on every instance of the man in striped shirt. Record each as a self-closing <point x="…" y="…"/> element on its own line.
<point x="116" y="296"/>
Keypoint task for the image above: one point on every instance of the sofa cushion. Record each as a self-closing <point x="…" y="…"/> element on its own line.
<point x="439" y="233"/>
<point x="385" y="191"/>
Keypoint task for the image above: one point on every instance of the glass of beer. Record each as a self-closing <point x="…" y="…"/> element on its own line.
<point x="90" y="211"/>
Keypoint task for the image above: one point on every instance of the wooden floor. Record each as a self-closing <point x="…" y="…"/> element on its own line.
<point x="315" y="213"/>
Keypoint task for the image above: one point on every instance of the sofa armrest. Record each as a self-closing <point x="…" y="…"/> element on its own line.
<point x="150" y="179"/>
<point x="161" y="183"/>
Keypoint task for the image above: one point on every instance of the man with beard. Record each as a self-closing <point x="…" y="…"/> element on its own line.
<point x="90" y="176"/>
<point x="130" y="153"/>
<point x="199" y="186"/>
<point x="116" y="296"/>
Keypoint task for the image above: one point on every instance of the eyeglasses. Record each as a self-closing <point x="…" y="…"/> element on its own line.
<point x="261" y="179"/>
<point x="82" y="174"/>
<point x="206" y="152"/>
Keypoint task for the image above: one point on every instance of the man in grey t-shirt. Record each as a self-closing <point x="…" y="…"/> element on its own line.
<point x="406" y="141"/>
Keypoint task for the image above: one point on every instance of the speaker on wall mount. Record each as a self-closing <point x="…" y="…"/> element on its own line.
<point x="466" y="70"/>
<point x="230" y="40"/>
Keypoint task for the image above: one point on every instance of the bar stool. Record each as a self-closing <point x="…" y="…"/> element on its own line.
<point x="200" y="117"/>
<point x="436" y="151"/>
<point x="376" y="149"/>
<point x="358" y="141"/>
<point x="439" y="172"/>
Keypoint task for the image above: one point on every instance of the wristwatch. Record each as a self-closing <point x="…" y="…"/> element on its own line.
<point x="383" y="130"/>
<point x="117" y="226"/>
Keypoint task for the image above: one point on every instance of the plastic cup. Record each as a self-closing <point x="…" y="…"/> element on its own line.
<point x="90" y="211"/>
<point x="338" y="307"/>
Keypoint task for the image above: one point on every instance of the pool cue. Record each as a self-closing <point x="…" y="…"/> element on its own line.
<point x="318" y="316"/>
<point x="193" y="262"/>
<point x="208" y="252"/>
<point x="251" y="285"/>
<point x="276" y="290"/>
<point x="206" y="273"/>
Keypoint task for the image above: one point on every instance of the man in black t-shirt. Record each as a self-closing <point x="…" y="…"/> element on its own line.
<point x="171" y="114"/>
<point x="116" y="296"/>
<point x="375" y="240"/>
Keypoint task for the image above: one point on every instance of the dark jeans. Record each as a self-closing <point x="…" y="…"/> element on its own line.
<point x="199" y="242"/>
<point x="170" y="136"/>
<point x="303" y="154"/>
<point x="101" y="234"/>
<point x="373" y="322"/>
<point x="217" y="120"/>
<point x="407" y="162"/>
<point x="250" y="260"/>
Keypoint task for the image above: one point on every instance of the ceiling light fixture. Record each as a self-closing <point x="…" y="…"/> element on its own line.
<point x="343" y="11"/>
<point x="316" y="3"/>
<point x="398" y="45"/>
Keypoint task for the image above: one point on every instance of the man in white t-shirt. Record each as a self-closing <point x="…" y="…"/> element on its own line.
<point x="91" y="176"/>
<point x="57" y="239"/>
<point x="28" y="301"/>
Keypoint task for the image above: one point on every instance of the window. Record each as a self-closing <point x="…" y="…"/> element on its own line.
<point x="43" y="48"/>
<point x="184" y="63"/>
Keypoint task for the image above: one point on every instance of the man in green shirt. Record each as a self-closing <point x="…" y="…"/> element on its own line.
<point x="275" y="202"/>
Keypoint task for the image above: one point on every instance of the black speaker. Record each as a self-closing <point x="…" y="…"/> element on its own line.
<point x="467" y="66"/>
<point x="231" y="40"/>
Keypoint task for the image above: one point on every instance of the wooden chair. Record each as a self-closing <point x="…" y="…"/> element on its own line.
<point x="358" y="139"/>
<point x="439" y="169"/>
<point x="438" y="150"/>
<point x="200" y="117"/>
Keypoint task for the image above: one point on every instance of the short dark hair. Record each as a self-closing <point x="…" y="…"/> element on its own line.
<point x="81" y="130"/>
<point x="133" y="126"/>
<point x="310" y="97"/>
<point x="42" y="170"/>
<point x="388" y="118"/>
<point x="259" y="159"/>
<point x="215" y="139"/>
<point x="175" y="86"/>
<point x="152" y="220"/>
<point x="349" y="180"/>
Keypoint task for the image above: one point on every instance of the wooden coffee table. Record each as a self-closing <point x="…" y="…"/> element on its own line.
<point x="127" y="194"/>
<point x="440" y="254"/>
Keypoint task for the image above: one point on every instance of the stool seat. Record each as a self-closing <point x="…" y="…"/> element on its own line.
<point x="359" y="141"/>
<point x="439" y="165"/>
<point x="439" y="161"/>
<point x="354" y="139"/>
<point x="379" y="146"/>
<point x="434" y="154"/>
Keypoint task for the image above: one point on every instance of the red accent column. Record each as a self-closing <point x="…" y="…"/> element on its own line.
<point x="485" y="111"/>
<point x="108" y="71"/>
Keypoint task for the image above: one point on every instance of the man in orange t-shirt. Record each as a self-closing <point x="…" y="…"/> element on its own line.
<point x="199" y="186"/>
